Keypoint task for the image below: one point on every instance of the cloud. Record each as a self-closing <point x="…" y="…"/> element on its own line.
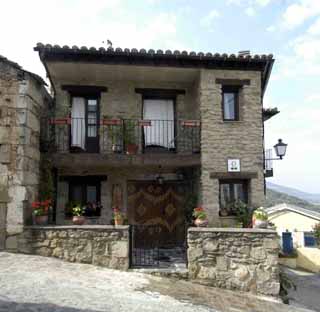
<point x="271" y="28"/>
<point x="314" y="29"/>
<point x="296" y="14"/>
<point x="250" y="11"/>
<point x="208" y="20"/>
<point x="253" y="3"/>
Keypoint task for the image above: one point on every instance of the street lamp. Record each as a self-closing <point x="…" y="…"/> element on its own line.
<point x="280" y="149"/>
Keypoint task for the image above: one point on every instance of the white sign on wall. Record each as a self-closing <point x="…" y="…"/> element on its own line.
<point x="233" y="165"/>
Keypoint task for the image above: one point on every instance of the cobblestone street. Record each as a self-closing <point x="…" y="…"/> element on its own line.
<point x="33" y="283"/>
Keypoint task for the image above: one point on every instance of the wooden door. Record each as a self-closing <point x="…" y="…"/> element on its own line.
<point x="150" y="203"/>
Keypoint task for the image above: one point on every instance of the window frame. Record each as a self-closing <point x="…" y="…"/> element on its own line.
<point x="245" y="186"/>
<point x="84" y="182"/>
<point x="235" y="90"/>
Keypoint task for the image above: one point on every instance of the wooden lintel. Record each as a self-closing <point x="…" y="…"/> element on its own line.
<point x="234" y="175"/>
<point x="150" y="92"/>
<point x="233" y="82"/>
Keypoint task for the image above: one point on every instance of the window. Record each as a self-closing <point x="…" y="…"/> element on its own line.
<point x="230" y="103"/>
<point x="309" y="240"/>
<point x="232" y="191"/>
<point x="86" y="191"/>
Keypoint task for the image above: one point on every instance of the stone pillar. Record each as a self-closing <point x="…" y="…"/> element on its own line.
<point x="62" y="199"/>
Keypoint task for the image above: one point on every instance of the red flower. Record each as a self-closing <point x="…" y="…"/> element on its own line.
<point x="35" y="205"/>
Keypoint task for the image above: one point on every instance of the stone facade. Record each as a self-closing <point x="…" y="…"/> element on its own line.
<point x="239" y="259"/>
<point x="223" y="140"/>
<point x="106" y="246"/>
<point x="23" y="99"/>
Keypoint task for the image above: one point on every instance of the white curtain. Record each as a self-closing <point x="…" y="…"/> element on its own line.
<point x="78" y="125"/>
<point x="161" y="131"/>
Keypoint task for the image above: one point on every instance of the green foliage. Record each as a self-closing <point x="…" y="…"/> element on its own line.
<point x="46" y="185"/>
<point x="191" y="203"/>
<point x="129" y="132"/>
<point x="78" y="211"/>
<point x="199" y="213"/>
<point x="70" y="205"/>
<point x="244" y="213"/>
<point x="260" y="214"/>
<point x="285" y="285"/>
<point x="316" y="230"/>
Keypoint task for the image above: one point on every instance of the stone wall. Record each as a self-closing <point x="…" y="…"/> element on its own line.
<point x="239" y="259"/>
<point x="22" y="101"/>
<point x="221" y="140"/>
<point x="106" y="246"/>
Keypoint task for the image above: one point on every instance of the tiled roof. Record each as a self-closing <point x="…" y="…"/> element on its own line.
<point x="288" y="207"/>
<point x="151" y="52"/>
<point x="18" y="67"/>
<point x="269" y="113"/>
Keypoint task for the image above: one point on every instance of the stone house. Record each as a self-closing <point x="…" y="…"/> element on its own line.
<point x="23" y="98"/>
<point x="196" y="122"/>
<point x="155" y="134"/>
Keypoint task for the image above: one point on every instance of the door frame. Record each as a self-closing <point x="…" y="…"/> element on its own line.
<point x="87" y="97"/>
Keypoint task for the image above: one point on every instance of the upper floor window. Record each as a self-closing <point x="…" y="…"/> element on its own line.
<point x="230" y="103"/>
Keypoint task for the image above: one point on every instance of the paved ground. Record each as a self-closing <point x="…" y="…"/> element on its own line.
<point x="33" y="283"/>
<point x="308" y="289"/>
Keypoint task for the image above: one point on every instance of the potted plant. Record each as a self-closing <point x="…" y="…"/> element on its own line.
<point x="117" y="216"/>
<point x="243" y="214"/>
<point x="130" y="137"/>
<point x="260" y="218"/>
<point x="200" y="217"/>
<point x="116" y="138"/>
<point x="77" y="212"/>
<point x="40" y="211"/>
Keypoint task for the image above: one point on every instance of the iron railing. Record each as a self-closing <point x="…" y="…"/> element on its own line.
<point x="122" y="136"/>
<point x="268" y="164"/>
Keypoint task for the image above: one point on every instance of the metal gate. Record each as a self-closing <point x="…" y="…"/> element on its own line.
<point x="145" y="241"/>
<point x="149" y="248"/>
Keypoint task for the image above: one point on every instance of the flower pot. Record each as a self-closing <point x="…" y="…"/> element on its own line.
<point x="117" y="148"/>
<point x="118" y="221"/>
<point x="40" y="220"/>
<point x="260" y="224"/>
<point x="224" y="212"/>
<point x="132" y="149"/>
<point x="201" y="222"/>
<point x="78" y="220"/>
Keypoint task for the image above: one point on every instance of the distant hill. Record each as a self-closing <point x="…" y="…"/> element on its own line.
<point x="309" y="197"/>
<point x="274" y="198"/>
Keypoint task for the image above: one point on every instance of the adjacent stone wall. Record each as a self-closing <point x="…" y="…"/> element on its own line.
<point x="238" y="259"/>
<point x="22" y="101"/>
<point x="106" y="246"/>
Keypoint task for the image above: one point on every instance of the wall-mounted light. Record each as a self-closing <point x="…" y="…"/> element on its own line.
<point x="280" y="149"/>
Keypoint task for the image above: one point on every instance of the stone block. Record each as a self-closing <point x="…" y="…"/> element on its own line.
<point x="258" y="253"/>
<point x="207" y="273"/>
<point x="210" y="246"/>
<point x="241" y="273"/>
<point x="120" y="249"/>
<point x="194" y="253"/>
<point x="12" y="242"/>
<point x="222" y="263"/>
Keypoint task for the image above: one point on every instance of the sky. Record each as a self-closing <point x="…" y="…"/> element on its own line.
<point x="289" y="29"/>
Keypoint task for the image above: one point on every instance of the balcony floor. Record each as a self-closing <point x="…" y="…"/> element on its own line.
<point x="96" y="161"/>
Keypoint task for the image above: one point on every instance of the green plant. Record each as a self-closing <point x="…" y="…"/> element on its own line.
<point x="46" y="185"/>
<point x="129" y="132"/>
<point x="115" y="133"/>
<point x="286" y="284"/>
<point x="243" y="213"/>
<point x="78" y="211"/>
<point x="316" y="230"/>
<point x="199" y="213"/>
<point x="191" y="202"/>
<point x="260" y="214"/>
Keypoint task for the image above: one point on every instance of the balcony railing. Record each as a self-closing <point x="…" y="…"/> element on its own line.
<point x="120" y="136"/>
<point x="268" y="164"/>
